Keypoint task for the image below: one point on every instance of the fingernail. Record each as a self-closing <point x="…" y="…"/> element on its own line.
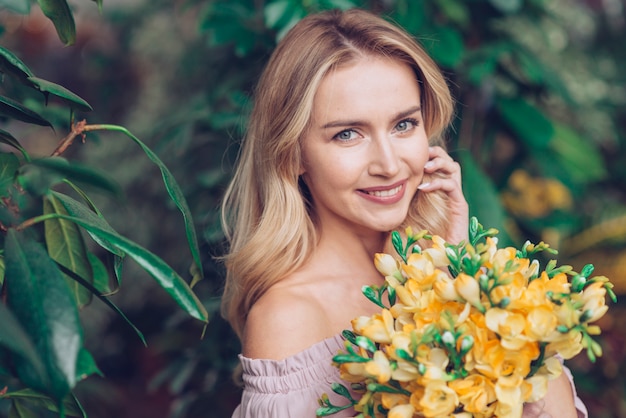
<point x="423" y="185"/>
<point x="428" y="164"/>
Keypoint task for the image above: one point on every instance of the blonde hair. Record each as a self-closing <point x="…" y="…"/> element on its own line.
<point x="266" y="214"/>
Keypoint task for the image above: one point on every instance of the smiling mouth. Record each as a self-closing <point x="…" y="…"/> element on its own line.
<point x="385" y="193"/>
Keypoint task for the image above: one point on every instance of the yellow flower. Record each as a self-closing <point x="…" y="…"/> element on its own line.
<point x="437" y="252"/>
<point x="593" y="298"/>
<point x="509" y="326"/>
<point x="378" y="328"/>
<point x="467" y="287"/>
<point x="509" y="394"/>
<point x="420" y="268"/>
<point x="540" y="322"/>
<point x="475" y="392"/>
<point x="567" y="345"/>
<point x="401" y="411"/>
<point x="438" y="400"/>
<point x="379" y="367"/>
<point x="444" y="288"/>
<point x="539" y="384"/>
<point x="386" y="264"/>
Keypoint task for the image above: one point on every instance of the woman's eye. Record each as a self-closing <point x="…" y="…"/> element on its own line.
<point x="406" y="125"/>
<point x="346" y="135"/>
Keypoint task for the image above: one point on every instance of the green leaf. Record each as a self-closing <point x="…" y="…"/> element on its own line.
<point x="76" y="209"/>
<point x="482" y="197"/>
<point x="9" y="164"/>
<point x="15" y="338"/>
<point x="66" y="246"/>
<point x="38" y="180"/>
<point x="66" y="96"/>
<point x="19" y="410"/>
<point x="86" y="365"/>
<point x="35" y="399"/>
<point x="38" y="295"/>
<point x="167" y="278"/>
<point x="15" y="110"/>
<point x="100" y="274"/>
<point x="447" y="48"/>
<point x="7" y="138"/>
<point x="9" y="63"/>
<point x="579" y="158"/>
<point x="78" y="172"/>
<point x="410" y="14"/>
<point x="60" y="14"/>
<point x="527" y="122"/>
<point x="175" y="193"/>
<point x="105" y="300"/>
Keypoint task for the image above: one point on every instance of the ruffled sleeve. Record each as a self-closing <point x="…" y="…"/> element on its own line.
<point x="291" y="387"/>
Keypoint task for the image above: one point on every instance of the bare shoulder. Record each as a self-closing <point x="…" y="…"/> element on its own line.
<point x="283" y="322"/>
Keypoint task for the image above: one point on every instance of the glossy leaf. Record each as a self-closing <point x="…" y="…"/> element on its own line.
<point x="66" y="246"/>
<point x="7" y="138"/>
<point x="86" y="365"/>
<point x="100" y="274"/>
<point x="39" y="297"/>
<point x="65" y="95"/>
<point x="9" y="164"/>
<point x="60" y="14"/>
<point x="10" y="63"/>
<point x="527" y="122"/>
<point x="78" y="172"/>
<point x="15" y="110"/>
<point x="76" y="209"/>
<point x="15" y="338"/>
<point x="35" y="399"/>
<point x="167" y="278"/>
<point x="482" y="197"/>
<point x="175" y="193"/>
<point x="104" y="299"/>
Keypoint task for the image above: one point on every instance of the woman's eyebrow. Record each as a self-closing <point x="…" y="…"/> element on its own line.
<point x="351" y="122"/>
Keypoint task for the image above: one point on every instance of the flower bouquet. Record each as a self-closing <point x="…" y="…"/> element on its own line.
<point x="470" y="330"/>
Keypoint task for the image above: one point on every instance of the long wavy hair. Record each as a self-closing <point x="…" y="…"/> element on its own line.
<point x="267" y="215"/>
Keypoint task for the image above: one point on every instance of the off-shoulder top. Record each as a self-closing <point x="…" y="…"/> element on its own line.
<point x="290" y="388"/>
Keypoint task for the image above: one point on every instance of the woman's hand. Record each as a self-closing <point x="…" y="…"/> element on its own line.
<point x="443" y="173"/>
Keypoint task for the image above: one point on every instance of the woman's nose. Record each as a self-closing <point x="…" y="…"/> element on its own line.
<point x="384" y="158"/>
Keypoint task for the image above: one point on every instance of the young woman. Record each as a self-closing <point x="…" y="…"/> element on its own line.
<point x="344" y="145"/>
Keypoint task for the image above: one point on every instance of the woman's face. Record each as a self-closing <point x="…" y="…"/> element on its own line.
<point x="365" y="150"/>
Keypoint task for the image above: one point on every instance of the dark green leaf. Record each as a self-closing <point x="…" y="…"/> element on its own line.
<point x="15" y="110"/>
<point x="410" y="14"/>
<point x="9" y="164"/>
<point x="167" y="278"/>
<point x="175" y="193"/>
<point x="65" y="95"/>
<point x="11" y="64"/>
<point x="38" y="400"/>
<point x="76" y="209"/>
<point x="13" y="337"/>
<point x="104" y="299"/>
<point x="60" y="14"/>
<point x="66" y="246"/>
<point x="101" y="276"/>
<point x="482" y="197"/>
<point x="38" y="180"/>
<point x="19" y="410"/>
<point x="78" y="173"/>
<point x="580" y="159"/>
<point x="447" y="48"/>
<point x="86" y="365"/>
<point x="527" y="122"/>
<point x="38" y="295"/>
<point x="8" y="139"/>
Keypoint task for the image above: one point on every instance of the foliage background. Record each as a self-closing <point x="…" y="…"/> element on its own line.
<point x="541" y="115"/>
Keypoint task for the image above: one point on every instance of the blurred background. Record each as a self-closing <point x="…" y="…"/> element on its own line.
<point x="541" y="112"/>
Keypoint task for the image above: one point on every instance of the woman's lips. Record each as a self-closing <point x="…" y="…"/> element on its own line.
<point x="386" y="194"/>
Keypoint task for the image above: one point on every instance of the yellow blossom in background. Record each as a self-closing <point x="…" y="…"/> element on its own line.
<point x="470" y="330"/>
